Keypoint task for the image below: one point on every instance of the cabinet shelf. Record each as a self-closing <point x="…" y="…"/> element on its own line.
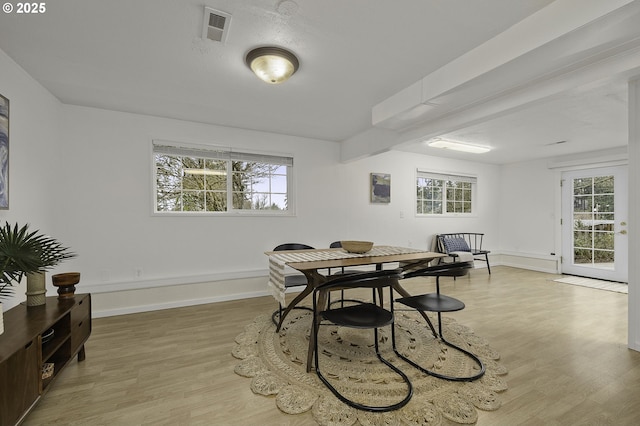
<point x="49" y="348"/>
<point x="23" y="354"/>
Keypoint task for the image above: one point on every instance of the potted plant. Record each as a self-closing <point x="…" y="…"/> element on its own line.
<point x="26" y="252"/>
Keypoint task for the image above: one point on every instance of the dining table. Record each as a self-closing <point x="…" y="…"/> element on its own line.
<point x="315" y="264"/>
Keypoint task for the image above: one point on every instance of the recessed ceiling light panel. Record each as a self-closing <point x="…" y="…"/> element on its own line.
<point x="458" y="146"/>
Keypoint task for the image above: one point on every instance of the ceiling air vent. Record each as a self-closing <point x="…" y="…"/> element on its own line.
<point x="216" y="25"/>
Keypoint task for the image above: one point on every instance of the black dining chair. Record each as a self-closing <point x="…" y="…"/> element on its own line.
<point x="333" y="245"/>
<point x="293" y="280"/>
<point x="439" y="303"/>
<point x="363" y="315"/>
<point x="341" y="271"/>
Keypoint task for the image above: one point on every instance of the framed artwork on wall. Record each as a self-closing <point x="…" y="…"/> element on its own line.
<point x="4" y="153"/>
<point x="380" y="188"/>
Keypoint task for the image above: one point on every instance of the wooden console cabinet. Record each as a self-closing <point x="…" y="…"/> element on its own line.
<point x="23" y="354"/>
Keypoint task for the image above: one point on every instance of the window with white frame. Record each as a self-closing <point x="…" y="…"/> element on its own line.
<point x="218" y="180"/>
<point x="444" y="194"/>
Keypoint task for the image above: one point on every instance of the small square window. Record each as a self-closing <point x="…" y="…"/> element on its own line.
<point x="439" y="194"/>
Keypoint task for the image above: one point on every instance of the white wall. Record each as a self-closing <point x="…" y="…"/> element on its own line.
<point x="634" y="214"/>
<point x="530" y="211"/>
<point x="33" y="155"/>
<point x="108" y="187"/>
<point x="84" y="176"/>
<point x="108" y="219"/>
<point x="529" y="215"/>
<point x="396" y="222"/>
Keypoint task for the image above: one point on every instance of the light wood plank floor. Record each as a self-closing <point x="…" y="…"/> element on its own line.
<point x="564" y="345"/>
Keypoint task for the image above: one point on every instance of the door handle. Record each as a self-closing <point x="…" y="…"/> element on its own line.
<point x="623" y="232"/>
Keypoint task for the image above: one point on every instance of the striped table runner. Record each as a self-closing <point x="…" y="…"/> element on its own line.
<point x="277" y="263"/>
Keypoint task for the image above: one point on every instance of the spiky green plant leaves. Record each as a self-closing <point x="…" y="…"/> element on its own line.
<point x="23" y="252"/>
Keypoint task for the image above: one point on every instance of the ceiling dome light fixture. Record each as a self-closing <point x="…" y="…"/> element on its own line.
<point x="271" y="64"/>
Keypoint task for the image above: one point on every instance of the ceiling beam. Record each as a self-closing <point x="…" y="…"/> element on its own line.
<point x="565" y="45"/>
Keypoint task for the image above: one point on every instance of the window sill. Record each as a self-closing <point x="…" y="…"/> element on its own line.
<point x="447" y="215"/>
<point x="222" y="214"/>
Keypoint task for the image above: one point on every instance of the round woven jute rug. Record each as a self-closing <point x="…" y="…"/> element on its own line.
<point x="276" y="364"/>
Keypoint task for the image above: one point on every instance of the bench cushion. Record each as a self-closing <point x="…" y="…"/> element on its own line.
<point x="455" y="244"/>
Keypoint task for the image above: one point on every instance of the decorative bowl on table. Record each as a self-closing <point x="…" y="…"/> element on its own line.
<point x="357" y="246"/>
<point x="66" y="283"/>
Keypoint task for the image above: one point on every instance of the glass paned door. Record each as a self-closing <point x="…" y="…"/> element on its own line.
<point x="594" y="209"/>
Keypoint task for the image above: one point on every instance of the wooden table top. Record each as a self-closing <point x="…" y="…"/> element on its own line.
<point x="357" y="261"/>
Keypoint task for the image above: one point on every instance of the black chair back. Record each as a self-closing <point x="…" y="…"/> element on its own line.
<point x="292" y="246"/>
<point x="373" y="279"/>
<point x="294" y="280"/>
<point x="458" y="269"/>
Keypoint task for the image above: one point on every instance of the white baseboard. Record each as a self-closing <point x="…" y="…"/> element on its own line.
<point x="121" y="298"/>
<point x="529" y="261"/>
<point x="109" y="287"/>
<point x="112" y="299"/>
<point x="114" y="311"/>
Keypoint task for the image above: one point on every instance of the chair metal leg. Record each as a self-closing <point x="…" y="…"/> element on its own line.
<point x="405" y="293"/>
<point x="314" y="338"/>
<point x="371" y="408"/>
<point x="433" y="373"/>
<point x="279" y="314"/>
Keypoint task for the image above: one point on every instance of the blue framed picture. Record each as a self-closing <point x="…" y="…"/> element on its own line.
<point x="4" y="153"/>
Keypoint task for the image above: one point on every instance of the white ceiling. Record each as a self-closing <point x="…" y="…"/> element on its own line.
<point x="580" y="120"/>
<point x="147" y="56"/>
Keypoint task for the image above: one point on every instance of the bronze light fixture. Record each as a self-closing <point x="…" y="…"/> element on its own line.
<point x="271" y="64"/>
